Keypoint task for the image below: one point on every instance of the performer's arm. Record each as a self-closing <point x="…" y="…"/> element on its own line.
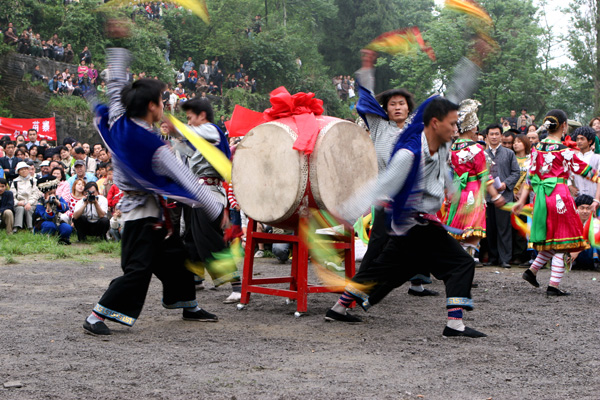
<point x="388" y="183"/>
<point x="119" y="60"/>
<point x="207" y="131"/>
<point x="166" y="164"/>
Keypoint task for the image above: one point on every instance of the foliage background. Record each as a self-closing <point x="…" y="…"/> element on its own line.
<point x="327" y="36"/>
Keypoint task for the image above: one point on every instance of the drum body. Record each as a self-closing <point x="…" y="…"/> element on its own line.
<point x="274" y="184"/>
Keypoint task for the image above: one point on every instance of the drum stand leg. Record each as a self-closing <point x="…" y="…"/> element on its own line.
<point x="248" y="262"/>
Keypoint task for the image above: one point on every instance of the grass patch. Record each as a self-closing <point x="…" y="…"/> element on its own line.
<point x="24" y="244"/>
<point x="68" y="104"/>
<point x="10" y="260"/>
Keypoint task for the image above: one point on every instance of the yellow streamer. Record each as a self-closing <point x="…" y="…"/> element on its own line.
<point x="214" y="156"/>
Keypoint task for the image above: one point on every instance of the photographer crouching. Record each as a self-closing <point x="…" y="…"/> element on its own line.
<point x="47" y="218"/>
<point x="89" y="214"/>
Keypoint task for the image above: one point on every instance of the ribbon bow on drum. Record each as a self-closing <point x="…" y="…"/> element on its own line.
<point x="292" y="158"/>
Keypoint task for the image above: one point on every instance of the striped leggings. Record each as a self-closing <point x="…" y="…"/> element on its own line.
<point x="558" y="265"/>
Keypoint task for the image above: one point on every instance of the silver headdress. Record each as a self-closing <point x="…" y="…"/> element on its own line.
<point x="467" y="115"/>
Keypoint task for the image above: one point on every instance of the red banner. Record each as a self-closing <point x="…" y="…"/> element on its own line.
<point x="12" y="127"/>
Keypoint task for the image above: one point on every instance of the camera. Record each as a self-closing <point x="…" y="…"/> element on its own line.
<point x="51" y="199"/>
<point x="91" y="198"/>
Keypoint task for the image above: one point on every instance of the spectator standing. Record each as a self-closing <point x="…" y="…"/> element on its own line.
<point x="7" y="207"/>
<point x="32" y="137"/>
<point x="585" y="138"/>
<point x="85" y="55"/>
<point x="188" y="66"/>
<point x="505" y="171"/>
<point x="524" y="119"/>
<point x="92" y="74"/>
<point x="204" y="70"/>
<point x="9" y="162"/>
<point x="89" y="163"/>
<point x="512" y="120"/>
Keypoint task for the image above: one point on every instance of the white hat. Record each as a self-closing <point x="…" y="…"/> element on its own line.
<point x="20" y="165"/>
<point x="45" y="163"/>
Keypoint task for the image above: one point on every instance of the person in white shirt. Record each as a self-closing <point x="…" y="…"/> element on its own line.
<point x="585" y="137"/>
<point x="89" y="214"/>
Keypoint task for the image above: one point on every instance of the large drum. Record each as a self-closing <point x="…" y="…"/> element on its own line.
<point x="273" y="182"/>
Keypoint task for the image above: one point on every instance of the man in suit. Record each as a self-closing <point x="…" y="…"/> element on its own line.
<point x="505" y="171"/>
<point x="9" y="162"/>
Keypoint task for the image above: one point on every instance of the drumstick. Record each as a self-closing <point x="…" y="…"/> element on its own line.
<point x="214" y="156"/>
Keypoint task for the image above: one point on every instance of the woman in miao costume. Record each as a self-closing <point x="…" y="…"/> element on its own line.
<point x="472" y="178"/>
<point x="556" y="228"/>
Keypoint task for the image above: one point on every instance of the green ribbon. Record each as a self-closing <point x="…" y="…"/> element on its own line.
<point x="541" y="188"/>
<point x="462" y="184"/>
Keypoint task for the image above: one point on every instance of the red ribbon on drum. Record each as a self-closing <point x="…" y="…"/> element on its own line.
<point x="302" y="107"/>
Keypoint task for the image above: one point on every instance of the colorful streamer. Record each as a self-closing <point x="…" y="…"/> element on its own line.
<point x="593" y="232"/>
<point x="520" y="226"/>
<point x="527" y="210"/>
<point x="213" y="155"/>
<point x="469" y="7"/>
<point x="322" y="251"/>
<point x="401" y="41"/>
<point x="198" y="7"/>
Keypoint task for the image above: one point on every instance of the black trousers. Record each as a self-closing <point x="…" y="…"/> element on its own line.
<point x="86" y="228"/>
<point x="144" y="251"/>
<point x="203" y="239"/>
<point x="377" y="241"/>
<point x="425" y="249"/>
<point x="499" y="234"/>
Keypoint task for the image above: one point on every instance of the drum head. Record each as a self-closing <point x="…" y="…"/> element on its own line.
<point x="269" y="177"/>
<point x="343" y="161"/>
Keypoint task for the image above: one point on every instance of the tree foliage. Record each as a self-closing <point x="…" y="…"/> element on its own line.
<point x="327" y="35"/>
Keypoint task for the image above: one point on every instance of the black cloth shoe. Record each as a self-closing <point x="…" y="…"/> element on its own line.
<point x="335" y="316"/>
<point x="200" y="316"/>
<point x="97" y="329"/>
<point x="505" y="265"/>
<point x="554" y="291"/>
<point x="425" y="292"/>
<point x="468" y="332"/>
<point x="530" y="277"/>
<point x="65" y="242"/>
<point x="489" y="263"/>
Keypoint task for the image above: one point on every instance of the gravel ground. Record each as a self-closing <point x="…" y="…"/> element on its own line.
<point x="538" y="347"/>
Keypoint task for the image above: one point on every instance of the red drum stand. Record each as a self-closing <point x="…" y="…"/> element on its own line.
<point x="299" y="288"/>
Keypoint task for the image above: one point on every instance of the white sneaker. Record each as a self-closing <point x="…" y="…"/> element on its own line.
<point x="259" y="254"/>
<point x="234" y="297"/>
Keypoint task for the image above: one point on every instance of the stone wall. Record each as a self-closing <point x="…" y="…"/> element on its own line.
<point x="26" y="101"/>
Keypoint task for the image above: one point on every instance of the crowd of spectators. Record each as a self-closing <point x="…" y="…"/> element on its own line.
<point x="344" y="86"/>
<point x="204" y="80"/>
<point x="83" y="200"/>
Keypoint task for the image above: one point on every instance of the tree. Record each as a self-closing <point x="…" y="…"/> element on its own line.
<point x="583" y="44"/>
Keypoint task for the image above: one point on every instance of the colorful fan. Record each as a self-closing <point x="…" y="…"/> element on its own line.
<point x="401" y="41"/>
<point x="469" y="7"/>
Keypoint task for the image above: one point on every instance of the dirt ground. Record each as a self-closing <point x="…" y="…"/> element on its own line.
<point x="538" y="347"/>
